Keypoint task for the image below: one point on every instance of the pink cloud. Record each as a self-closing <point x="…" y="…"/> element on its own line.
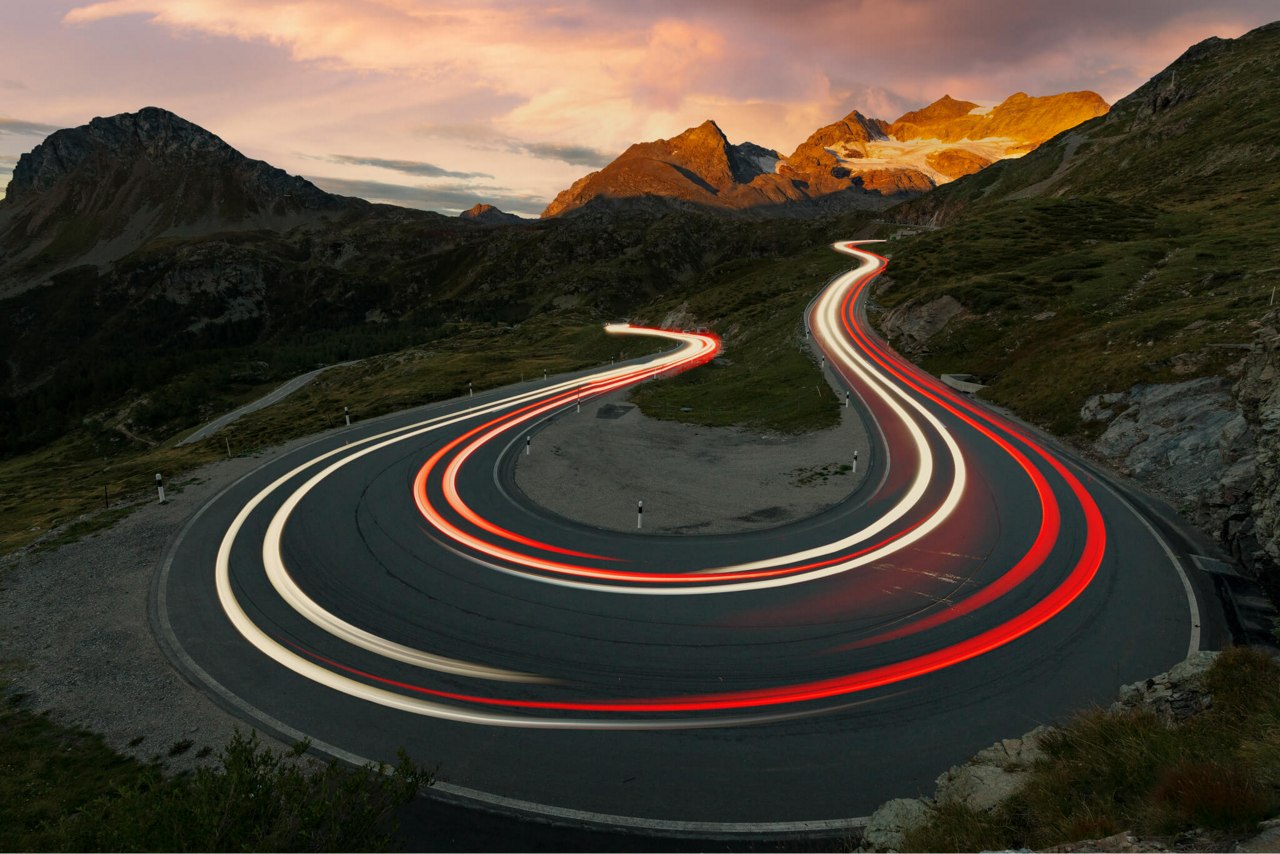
<point x="536" y="80"/>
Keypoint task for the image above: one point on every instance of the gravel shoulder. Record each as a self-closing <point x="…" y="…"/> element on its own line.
<point x="593" y="466"/>
<point x="77" y="637"/>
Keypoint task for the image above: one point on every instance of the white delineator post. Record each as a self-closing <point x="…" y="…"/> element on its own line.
<point x="160" y="486"/>
<point x="846" y="400"/>
<point x="346" y="411"/>
<point x="639" y="514"/>
<point x="855" y="462"/>
<point x="528" y="440"/>
<point x="471" y="392"/>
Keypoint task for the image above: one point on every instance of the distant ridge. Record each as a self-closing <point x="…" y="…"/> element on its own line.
<point x="489" y="215"/>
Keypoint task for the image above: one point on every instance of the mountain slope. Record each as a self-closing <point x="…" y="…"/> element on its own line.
<point x="94" y="193"/>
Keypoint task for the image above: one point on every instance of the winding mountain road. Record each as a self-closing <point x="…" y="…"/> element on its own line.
<point x="389" y="586"/>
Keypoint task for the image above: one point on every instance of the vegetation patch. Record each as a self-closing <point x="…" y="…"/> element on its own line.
<point x="1112" y="771"/>
<point x="63" y="789"/>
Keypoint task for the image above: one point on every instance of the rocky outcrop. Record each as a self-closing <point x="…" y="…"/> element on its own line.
<point x="889" y="825"/>
<point x="1258" y="393"/>
<point x="1000" y="771"/>
<point x="912" y="325"/>
<point x="1175" y="696"/>
<point x="1210" y="446"/>
<point x="1188" y="440"/>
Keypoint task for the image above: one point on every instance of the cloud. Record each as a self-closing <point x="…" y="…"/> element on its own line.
<point x="450" y="198"/>
<point x="408" y="167"/>
<point x="12" y="85"/>
<point x="486" y="138"/>
<point x="571" y="80"/>
<point x="25" y="128"/>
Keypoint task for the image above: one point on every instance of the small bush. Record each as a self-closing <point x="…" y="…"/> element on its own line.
<point x="1210" y="795"/>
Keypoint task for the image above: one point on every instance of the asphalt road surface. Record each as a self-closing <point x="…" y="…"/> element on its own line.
<point x="389" y="586"/>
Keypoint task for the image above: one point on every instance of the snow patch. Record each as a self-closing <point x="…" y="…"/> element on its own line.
<point x="980" y="111"/>
<point x="767" y="162"/>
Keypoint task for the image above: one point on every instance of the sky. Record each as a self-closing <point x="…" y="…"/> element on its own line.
<point x="440" y="105"/>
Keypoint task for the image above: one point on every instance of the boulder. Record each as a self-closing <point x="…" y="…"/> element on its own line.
<point x="888" y="825"/>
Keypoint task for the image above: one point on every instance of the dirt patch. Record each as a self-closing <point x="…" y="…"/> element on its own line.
<point x="593" y="466"/>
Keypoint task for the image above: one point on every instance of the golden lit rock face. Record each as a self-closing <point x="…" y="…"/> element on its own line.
<point x="1026" y="120"/>
<point x="868" y="162"/>
<point x="956" y="162"/>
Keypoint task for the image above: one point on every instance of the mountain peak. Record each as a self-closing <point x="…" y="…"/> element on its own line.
<point x="707" y="133"/>
<point x="106" y="187"/>
<point x="489" y="214"/>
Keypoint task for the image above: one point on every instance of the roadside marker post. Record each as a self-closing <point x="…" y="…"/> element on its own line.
<point x="528" y="440"/>
<point x="228" y="441"/>
<point x="471" y="392"/>
<point x="639" y="514"/>
<point x="846" y="400"/>
<point x="579" y="400"/>
<point x="855" y="462"/>
<point x="160" y="486"/>
<point x="346" y="411"/>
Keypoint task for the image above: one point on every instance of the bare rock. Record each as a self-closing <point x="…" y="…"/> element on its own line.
<point x="1188" y="440"/>
<point x="994" y="774"/>
<point x="1173" y="696"/>
<point x="889" y="824"/>
<point x="912" y="325"/>
<point x="1258" y="391"/>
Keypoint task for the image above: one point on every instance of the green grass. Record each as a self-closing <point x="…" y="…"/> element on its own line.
<point x="63" y="789"/>
<point x="1108" y="772"/>
<point x="766" y="378"/>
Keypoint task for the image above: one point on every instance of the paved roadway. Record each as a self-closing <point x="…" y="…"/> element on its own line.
<point x="274" y="396"/>
<point x="388" y="586"/>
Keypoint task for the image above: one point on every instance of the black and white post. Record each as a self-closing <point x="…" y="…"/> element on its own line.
<point x="528" y="440"/>
<point x="846" y="400"/>
<point x="346" y="411"/>
<point x="160" y="486"/>
<point x="579" y="409"/>
<point x="855" y="462"/>
<point x="639" y="514"/>
<point x="471" y="392"/>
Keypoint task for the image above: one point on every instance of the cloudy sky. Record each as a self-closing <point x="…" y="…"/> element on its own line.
<point x="439" y="105"/>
